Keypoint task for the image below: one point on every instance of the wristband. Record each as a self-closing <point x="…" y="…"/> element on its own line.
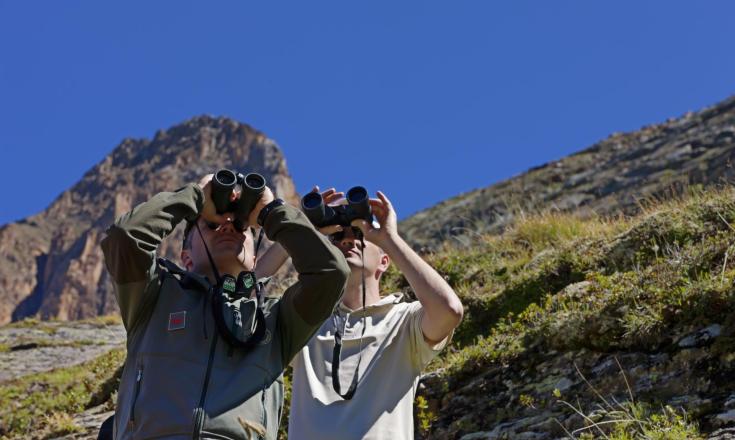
<point x="267" y="210"/>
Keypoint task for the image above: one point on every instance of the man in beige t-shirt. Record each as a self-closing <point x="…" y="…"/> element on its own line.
<point x="399" y="339"/>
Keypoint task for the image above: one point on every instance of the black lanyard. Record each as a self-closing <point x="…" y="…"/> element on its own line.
<point x="340" y="323"/>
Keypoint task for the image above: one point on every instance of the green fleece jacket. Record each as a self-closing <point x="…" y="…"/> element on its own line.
<point x="181" y="379"/>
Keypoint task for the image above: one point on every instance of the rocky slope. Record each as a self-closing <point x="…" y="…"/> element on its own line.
<point x="592" y="328"/>
<point x="51" y="264"/>
<point x="608" y="177"/>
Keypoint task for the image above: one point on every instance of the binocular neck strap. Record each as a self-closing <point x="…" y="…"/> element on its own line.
<point x="257" y="245"/>
<point x="211" y="260"/>
<point x="337" y="352"/>
<point x="216" y="281"/>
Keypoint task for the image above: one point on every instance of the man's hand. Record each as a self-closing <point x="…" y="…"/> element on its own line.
<point x="330" y="196"/>
<point x="276" y="256"/>
<point x="386" y="216"/>
<point x="209" y="211"/>
<point x="265" y="199"/>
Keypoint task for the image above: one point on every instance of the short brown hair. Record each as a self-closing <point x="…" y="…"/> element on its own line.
<point x="186" y="243"/>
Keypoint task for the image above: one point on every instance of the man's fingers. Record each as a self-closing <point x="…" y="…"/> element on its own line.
<point x="378" y="206"/>
<point x="328" y="230"/>
<point x="385" y="199"/>
<point x="375" y="203"/>
<point x="364" y="226"/>
<point x="205" y="180"/>
<point x="315" y="189"/>
<point x="331" y="198"/>
<point x="220" y="219"/>
<point x="379" y="211"/>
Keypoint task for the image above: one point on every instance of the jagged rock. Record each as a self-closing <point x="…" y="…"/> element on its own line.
<point x="701" y="337"/>
<point x="689" y="380"/>
<point x="723" y="434"/>
<point x="51" y="264"/>
<point x="518" y="429"/>
<point x="563" y="384"/>
<point x="54" y="344"/>
<point x="726" y="417"/>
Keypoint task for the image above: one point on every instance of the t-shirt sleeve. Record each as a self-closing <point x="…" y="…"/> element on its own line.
<point x="421" y="351"/>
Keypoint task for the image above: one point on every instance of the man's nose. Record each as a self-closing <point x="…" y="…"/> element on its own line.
<point x="348" y="239"/>
<point x="228" y="227"/>
<point x="347" y="242"/>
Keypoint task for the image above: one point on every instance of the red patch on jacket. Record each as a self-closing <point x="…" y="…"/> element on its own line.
<point x="176" y="321"/>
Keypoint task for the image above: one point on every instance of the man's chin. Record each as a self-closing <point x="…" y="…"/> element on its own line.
<point x="354" y="261"/>
<point x="227" y="248"/>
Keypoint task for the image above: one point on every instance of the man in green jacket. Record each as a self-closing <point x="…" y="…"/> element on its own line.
<point x="181" y="379"/>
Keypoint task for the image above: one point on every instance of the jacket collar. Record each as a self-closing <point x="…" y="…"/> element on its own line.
<point x="189" y="280"/>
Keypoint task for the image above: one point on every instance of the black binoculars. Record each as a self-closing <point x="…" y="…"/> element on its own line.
<point x="320" y="215"/>
<point x="224" y="183"/>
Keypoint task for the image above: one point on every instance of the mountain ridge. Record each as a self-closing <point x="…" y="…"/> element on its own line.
<point x="606" y="178"/>
<point x="51" y="262"/>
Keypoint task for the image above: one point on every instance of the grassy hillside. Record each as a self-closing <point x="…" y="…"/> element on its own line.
<point x="44" y="405"/>
<point x="619" y="328"/>
<point x="584" y="328"/>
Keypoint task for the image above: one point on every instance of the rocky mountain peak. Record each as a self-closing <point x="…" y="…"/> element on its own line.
<point x="51" y="262"/>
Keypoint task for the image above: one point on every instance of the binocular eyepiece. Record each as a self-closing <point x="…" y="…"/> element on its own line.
<point x="224" y="183"/>
<point x="320" y="215"/>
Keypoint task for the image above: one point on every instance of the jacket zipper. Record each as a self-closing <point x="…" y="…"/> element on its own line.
<point x="138" y="379"/>
<point x="199" y="410"/>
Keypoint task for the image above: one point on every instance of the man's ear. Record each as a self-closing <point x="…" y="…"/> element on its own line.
<point x="186" y="259"/>
<point x="383" y="265"/>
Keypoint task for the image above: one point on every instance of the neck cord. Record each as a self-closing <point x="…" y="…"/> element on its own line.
<point x="211" y="260"/>
<point x="337" y="352"/>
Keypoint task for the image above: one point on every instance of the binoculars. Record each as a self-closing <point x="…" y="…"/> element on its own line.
<point x="224" y="183"/>
<point x="322" y="215"/>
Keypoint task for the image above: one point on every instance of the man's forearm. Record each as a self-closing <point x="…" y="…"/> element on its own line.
<point x="131" y="242"/>
<point x="322" y="268"/>
<point x="271" y="261"/>
<point x="442" y="308"/>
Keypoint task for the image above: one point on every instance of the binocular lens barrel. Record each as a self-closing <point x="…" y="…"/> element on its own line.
<point x="357" y="197"/>
<point x="313" y="206"/>
<point x="253" y="186"/>
<point x="357" y="194"/>
<point x="223" y="184"/>
<point x="320" y="215"/>
<point x="254" y="182"/>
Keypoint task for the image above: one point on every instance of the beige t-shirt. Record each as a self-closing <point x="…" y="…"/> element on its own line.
<point x="394" y="352"/>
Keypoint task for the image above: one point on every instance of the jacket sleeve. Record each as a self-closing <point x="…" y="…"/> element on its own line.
<point x="131" y="242"/>
<point x="322" y="271"/>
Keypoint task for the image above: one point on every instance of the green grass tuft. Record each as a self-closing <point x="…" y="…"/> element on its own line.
<point x="40" y="405"/>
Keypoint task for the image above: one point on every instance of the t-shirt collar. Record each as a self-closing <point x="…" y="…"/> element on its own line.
<point x="388" y="300"/>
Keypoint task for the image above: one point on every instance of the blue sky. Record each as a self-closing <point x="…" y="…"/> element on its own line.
<point x="421" y="99"/>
